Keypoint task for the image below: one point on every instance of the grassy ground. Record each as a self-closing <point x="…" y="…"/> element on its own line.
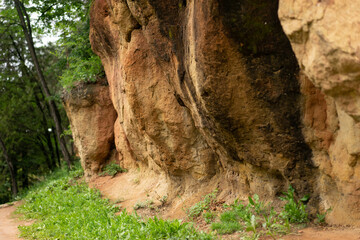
<point x="252" y="220"/>
<point x="67" y="209"/>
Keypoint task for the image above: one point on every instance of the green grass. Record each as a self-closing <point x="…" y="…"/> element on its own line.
<point x="66" y="209"/>
<point x="209" y="216"/>
<point x="256" y="219"/>
<point x="229" y="227"/>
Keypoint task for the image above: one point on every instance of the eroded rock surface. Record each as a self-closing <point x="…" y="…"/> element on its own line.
<point x="205" y="91"/>
<point x="208" y="94"/>
<point x="326" y="42"/>
<point x="92" y="118"/>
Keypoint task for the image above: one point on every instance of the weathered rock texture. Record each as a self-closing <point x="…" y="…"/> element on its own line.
<point x="92" y="118"/>
<point x="325" y="38"/>
<point x="208" y="94"/>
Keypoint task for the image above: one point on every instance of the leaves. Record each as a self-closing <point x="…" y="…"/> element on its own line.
<point x="294" y="211"/>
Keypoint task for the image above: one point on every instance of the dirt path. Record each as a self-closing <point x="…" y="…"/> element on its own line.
<point x="325" y="233"/>
<point x="9" y="223"/>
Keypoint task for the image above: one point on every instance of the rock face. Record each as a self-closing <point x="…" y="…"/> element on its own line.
<point x="209" y="93"/>
<point x="324" y="38"/>
<point x="92" y="118"/>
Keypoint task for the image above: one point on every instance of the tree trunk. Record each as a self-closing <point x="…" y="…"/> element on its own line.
<point x="25" y="178"/>
<point x="56" y="146"/>
<point x="53" y="108"/>
<point x="14" y="187"/>
<point x="46" y="155"/>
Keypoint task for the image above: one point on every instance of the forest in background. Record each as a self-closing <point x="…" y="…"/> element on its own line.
<point x="34" y="130"/>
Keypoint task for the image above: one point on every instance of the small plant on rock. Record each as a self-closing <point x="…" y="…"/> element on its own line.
<point x="163" y="200"/>
<point x="147" y="204"/>
<point x="197" y="209"/>
<point x="111" y="170"/>
<point x="321" y="216"/>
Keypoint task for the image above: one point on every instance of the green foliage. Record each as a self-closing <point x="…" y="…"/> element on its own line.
<point x="230" y="220"/>
<point x="257" y="205"/>
<point x="67" y="132"/>
<point x="256" y="218"/>
<point x="66" y="209"/>
<point x="320" y="217"/>
<point x="24" y="115"/>
<point x="81" y="70"/>
<point x="112" y="169"/>
<point x="209" y="216"/>
<point x="197" y="209"/>
<point x="80" y="64"/>
<point x="294" y="210"/>
<point x="229" y="227"/>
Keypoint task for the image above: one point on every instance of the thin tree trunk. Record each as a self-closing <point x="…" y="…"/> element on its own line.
<point x="53" y="109"/>
<point x="14" y="186"/>
<point x="46" y="155"/>
<point x="56" y="146"/>
<point x="25" y="178"/>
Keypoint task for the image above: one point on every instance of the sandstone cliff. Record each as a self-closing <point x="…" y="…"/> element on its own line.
<point x="209" y="94"/>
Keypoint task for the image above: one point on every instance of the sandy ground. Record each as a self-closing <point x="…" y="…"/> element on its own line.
<point x="9" y="222"/>
<point x="325" y="233"/>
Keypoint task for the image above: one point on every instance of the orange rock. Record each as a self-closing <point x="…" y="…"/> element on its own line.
<point x="92" y="118"/>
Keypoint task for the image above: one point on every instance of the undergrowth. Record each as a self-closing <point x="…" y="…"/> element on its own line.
<point x="201" y="206"/>
<point x="111" y="170"/>
<point x="254" y="219"/>
<point x="294" y="210"/>
<point x="66" y="208"/>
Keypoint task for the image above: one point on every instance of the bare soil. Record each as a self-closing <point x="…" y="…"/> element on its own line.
<point x="9" y="222"/>
<point x="325" y="233"/>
